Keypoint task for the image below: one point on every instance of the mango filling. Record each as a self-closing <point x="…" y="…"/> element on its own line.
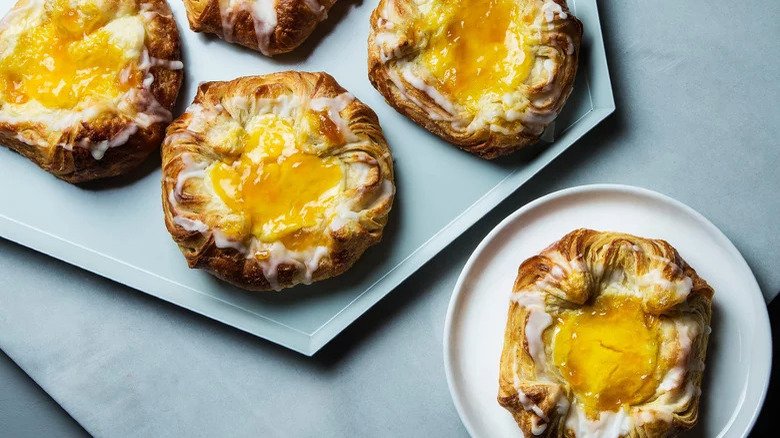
<point x="283" y="191"/>
<point x="608" y="353"/>
<point x="478" y="47"/>
<point x="69" y="57"/>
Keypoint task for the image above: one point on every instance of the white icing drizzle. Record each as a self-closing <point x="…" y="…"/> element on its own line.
<point x="679" y="287"/>
<point x="334" y="106"/>
<point x="317" y="8"/>
<point x="597" y="269"/>
<point x="343" y="216"/>
<point x="501" y="129"/>
<point x="538" y="321"/>
<point x="192" y="169"/>
<point x="282" y="105"/>
<point x="221" y="240"/>
<point x="643" y="416"/>
<point x="536" y="428"/>
<point x="278" y="254"/>
<point x="227" y="13"/>
<point x="388" y="43"/>
<point x="98" y="150"/>
<point x="533" y="117"/>
<point x="264" y="18"/>
<point x="529" y="405"/>
<point x="608" y="425"/>
<point x="314" y="262"/>
<point x="265" y="23"/>
<point x="550" y="8"/>
<point x="339" y="221"/>
<point x="561" y="268"/>
<point x="345" y="211"/>
<point x="432" y="92"/>
<point x="150" y="10"/>
<point x="528" y="299"/>
<point x="562" y="405"/>
<point x="190" y="224"/>
<point x="524" y="400"/>
<point x="166" y="63"/>
<point x="549" y="67"/>
<point x="396" y="80"/>
<point x="675" y="376"/>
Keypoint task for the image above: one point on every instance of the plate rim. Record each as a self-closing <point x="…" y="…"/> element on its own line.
<point x="763" y="324"/>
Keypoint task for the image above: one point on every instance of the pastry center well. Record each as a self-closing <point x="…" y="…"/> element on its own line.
<point x="283" y="190"/>
<point x="608" y="353"/>
<point x="479" y="46"/>
<point x="70" y="56"/>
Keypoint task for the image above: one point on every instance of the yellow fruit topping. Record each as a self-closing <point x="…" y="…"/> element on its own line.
<point x="478" y="47"/>
<point x="283" y="190"/>
<point x="70" y="56"/>
<point x="608" y="353"/>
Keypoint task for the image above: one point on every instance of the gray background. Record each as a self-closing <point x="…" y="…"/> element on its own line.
<point x="697" y="119"/>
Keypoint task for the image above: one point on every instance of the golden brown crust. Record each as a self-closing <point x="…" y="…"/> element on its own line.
<point x="295" y="21"/>
<point x="189" y="202"/>
<point x="561" y="42"/>
<point x="76" y="164"/>
<point x="586" y="258"/>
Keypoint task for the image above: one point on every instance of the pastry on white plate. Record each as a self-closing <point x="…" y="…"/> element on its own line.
<point x="606" y="337"/>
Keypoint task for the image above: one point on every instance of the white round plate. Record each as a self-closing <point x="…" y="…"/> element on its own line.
<point x="740" y="350"/>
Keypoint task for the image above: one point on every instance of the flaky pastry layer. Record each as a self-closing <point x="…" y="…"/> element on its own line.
<point x="574" y="272"/>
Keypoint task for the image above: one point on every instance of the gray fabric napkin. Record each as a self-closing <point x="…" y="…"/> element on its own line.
<point x="697" y="120"/>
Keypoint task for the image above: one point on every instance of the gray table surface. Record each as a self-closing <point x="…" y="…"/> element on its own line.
<point x="697" y="119"/>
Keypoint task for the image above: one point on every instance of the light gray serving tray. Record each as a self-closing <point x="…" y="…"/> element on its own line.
<point x="116" y="229"/>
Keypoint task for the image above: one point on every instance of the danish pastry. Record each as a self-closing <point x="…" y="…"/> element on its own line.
<point x="606" y="336"/>
<point x="485" y="75"/>
<point x="271" y="181"/>
<point x="87" y="86"/>
<point x="270" y="27"/>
